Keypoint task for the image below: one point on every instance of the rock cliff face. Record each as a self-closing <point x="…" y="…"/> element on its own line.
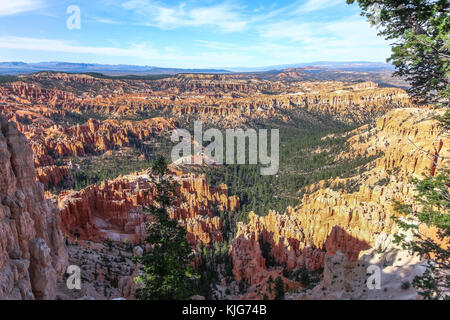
<point x="26" y="92"/>
<point x="331" y="221"/>
<point x="346" y="279"/>
<point x="32" y="251"/>
<point x="410" y="140"/>
<point x="351" y="104"/>
<point x="113" y="210"/>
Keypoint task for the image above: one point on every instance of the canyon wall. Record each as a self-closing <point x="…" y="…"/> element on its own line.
<point x="93" y="136"/>
<point x="334" y="225"/>
<point x="46" y="105"/>
<point x="32" y="251"/>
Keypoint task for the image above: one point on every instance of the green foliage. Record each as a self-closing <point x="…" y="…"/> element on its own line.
<point x="215" y="261"/>
<point x="243" y="285"/>
<point x="432" y="208"/>
<point x="421" y="31"/>
<point x="306" y="157"/>
<point x="8" y="78"/>
<point x="108" y="243"/>
<point x="72" y="118"/>
<point x="97" y="170"/>
<point x="167" y="270"/>
<point x="309" y="279"/>
<point x="444" y="121"/>
<point x="265" y="251"/>
<point x="270" y="283"/>
<point x="279" y="289"/>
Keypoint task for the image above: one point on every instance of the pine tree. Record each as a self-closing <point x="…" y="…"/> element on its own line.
<point x="279" y="289"/>
<point x="421" y="30"/>
<point x="433" y="201"/>
<point x="167" y="273"/>
<point x="269" y="283"/>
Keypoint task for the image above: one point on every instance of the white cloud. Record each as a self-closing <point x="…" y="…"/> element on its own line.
<point x="352" y="29"/>
<point x="106" y="20"/>
<point x="341" y="40"/>
<point x="296" y="8"/>
<point x="316" y="5"/>
<point x="144" y="52"/>
<point x="62" y="46"/>
<point x="11" y="7"/>
<point x="290" y="30"/>
<point x="217" y="45"/>
<point x="223" y="16"/>
<point x="274" y="36"/>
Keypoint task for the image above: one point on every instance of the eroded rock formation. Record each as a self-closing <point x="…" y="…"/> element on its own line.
<point x="32" y="252"/>
<point x="331" y="221"/>
<point x="113" y="210"/>
<point x="218" y="99"/>
<point x="93" y="136"/>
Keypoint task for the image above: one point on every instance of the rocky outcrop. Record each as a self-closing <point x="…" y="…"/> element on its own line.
<point x="337" y="101"/>
<point x="55" y="142"/>
<point x="53" y="176"/>
<point x="32" y="251"/>
<point x="332" y="225"/>
<point x="411" y="140"/>
<point x="36" y="93"/>
<point x="113" y="209"/>
<point x="45" y="114"/>
<point x="346" y="279"/>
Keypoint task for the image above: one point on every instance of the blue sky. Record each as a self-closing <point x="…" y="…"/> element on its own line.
<point x="189" y="34"/>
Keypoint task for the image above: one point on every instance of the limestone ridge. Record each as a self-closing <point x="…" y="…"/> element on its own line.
<point x="32" y="252"/>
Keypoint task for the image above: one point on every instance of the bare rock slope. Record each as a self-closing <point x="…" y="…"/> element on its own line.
<point x="32" y="251"/>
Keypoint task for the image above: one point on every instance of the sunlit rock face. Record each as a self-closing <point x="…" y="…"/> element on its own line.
<point x="33" y="256"/>
<point x="328" y="221"/>
<point x="114" y="209"/>
<point x="93" y="137"/>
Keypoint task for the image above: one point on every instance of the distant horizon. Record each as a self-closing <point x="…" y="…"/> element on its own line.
<point x="188" y="34"/>
<point x="44" y="66"/>
<point x="152" y="65"/>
